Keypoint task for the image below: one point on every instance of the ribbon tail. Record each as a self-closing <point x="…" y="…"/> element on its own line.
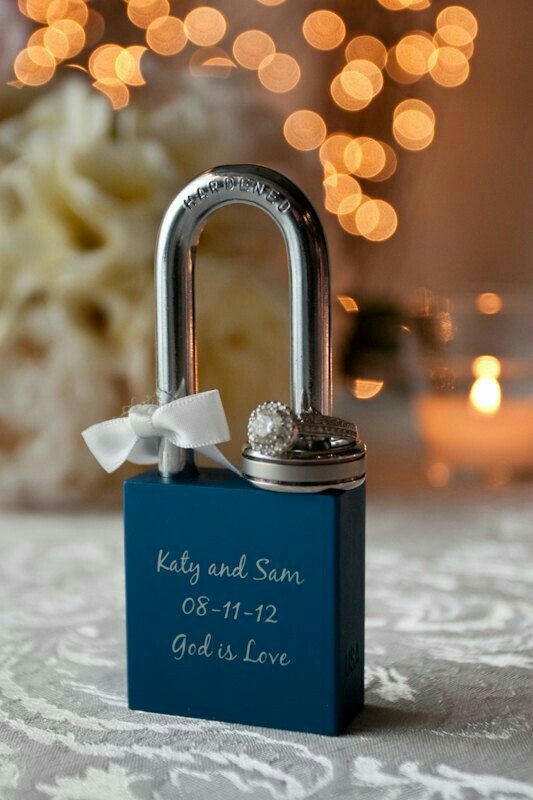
<point x="110" y="442"/>
<point x="212" y="452"/>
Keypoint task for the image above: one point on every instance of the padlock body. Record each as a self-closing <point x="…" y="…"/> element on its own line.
<point x="244" y="605"/>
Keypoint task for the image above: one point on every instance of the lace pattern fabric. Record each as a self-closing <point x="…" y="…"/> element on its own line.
<point x="448" y="672"/>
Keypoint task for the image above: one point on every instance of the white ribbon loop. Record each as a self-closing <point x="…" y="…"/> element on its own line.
<point x="197" y="421"/>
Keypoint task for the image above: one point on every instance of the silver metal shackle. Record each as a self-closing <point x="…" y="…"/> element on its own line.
<point x="174" y="278"/>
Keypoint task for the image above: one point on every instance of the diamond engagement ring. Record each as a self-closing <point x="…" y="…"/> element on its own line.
<point x="274" y="428"/>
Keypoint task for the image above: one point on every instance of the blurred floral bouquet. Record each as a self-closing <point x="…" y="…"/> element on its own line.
<point x="82" y="191"/>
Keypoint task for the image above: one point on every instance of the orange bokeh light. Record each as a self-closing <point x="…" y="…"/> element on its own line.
<point x="342" y="193"/>
<point x="102" y="64"/>
<point x="350" y="102"/>
<point x="397" y="72"/>
<point x="348" y="221"/>
<point x="332" y="151"/>
<point x="117" y="93"/>
<point x="376" y="220"/>
<point x="365" y="389"/>
<point x="54" y="40"/>
<point x="271" y="2"/>
<point x="36" y="39"/>
<point x="324" y="30"/>
<point x="395" y="5"/>
<point x="414" y="124"/>
<point x="67" y="9"/>
<point x="34" y="9"/>
<point x="279" y="72"/>
<point x="460" y="17"/>
<point x="304" y="130"/>
<point x="445" y="36"/>
<point x="368" y="48"/>
<point x="390" y="166"/>
<point x="128" y="65"/>
<point x="166" y="36"/>
<point x="143" y="12"/>
<point x="350" y="76"/>
<point x="449" y="67"/>
<point x="205" y="26"/>
<point x="413" y="104"/>
<point x="250" y="48"/>
<point x="454" y="35"/>
<point x="489" y="303"/>
<point x="64" y="38"/>
<point x="365" y="157"/>
<point x="34" y="66"/>
<point x="413" y="53"/>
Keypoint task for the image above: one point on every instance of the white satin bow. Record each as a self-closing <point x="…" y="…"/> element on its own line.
<point x="197" y="421"/>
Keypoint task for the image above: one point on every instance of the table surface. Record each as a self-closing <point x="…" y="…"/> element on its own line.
<point x="448" y="670"/>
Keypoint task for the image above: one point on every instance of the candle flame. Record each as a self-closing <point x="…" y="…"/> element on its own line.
<point x="486" y="395"/>
<point x="486" y="367"/>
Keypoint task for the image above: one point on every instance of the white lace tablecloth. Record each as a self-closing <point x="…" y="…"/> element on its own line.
<point x="449" y="665"/>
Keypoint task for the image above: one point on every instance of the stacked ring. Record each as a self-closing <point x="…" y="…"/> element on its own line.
<point x="273" y="428"/>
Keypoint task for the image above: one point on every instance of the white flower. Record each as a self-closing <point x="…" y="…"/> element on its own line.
<point x="82" y="192"/>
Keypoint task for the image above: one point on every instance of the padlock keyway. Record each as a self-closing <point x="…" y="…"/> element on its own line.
<point x="317" y="459"/>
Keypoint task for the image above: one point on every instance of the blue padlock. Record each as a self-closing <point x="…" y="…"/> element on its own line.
<point x="245" y="605"/>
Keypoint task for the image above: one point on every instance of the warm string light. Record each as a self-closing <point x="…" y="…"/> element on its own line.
<point x="143" y="12"/>
<point x="166" y="35"/>
<point x="279" y="72"/>
<point x="69" y="27"/>
<point x="413" y="124"/>
<point x="205" y="26"/>
<point x="324" y="30"/>
<point x="250" y="48"/>
<point x="305" y="130"/>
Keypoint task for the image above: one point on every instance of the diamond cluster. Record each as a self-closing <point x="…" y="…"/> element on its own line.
<point x="272" y="428"/>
